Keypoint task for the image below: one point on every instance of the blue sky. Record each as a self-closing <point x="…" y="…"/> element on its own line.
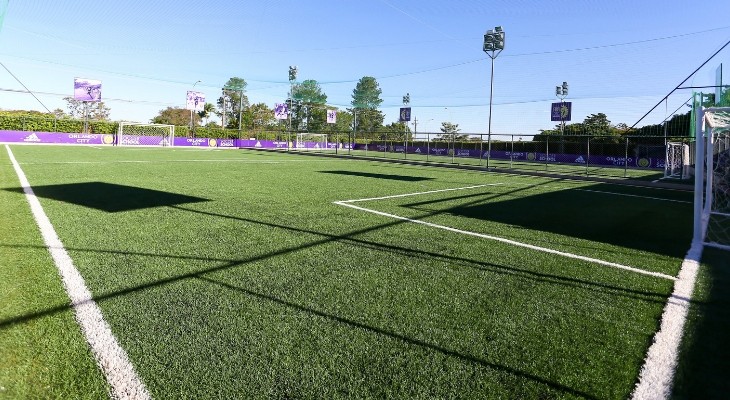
<point x="619" y="57"/>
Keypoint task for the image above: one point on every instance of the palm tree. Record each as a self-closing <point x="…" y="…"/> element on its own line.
<point x="208" y="109"/>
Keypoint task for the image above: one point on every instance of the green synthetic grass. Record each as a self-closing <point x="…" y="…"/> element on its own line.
<point x="704" y="363"/>
<point x="618" y="172"/>
<point x="231" y="274"/>
<point x="42" y="352"/>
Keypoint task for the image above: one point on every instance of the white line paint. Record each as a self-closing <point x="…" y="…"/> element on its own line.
<point x="419" y="193"/>
<point x="605" y="192"/>
<point x="634" y="195"/>
<point x="348" y="203"/>
<point x="151" y="162"/>
<point x="657" y="374"/>
<point x="111" y="358"/>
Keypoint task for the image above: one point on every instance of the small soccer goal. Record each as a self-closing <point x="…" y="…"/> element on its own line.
<point x="676" y="165"/>
<point x="712" y="178"/>
<point x="140" y="134"/>
<point x="311" y="141"/>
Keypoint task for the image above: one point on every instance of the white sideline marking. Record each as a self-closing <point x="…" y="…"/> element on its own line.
<point x="417" y="193"/>
<point x="152" y="162"/>
<point x="657" y="373"/>
<point x="111" y="358"/>
<point x="634" y="195"/>
<point x="347" y="203"/>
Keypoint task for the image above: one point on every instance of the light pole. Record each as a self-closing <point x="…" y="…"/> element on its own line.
<point x="406" y="102"/>
<point x="292" y="78"/>
<point x="493" y="45"/>
<point x="562" y="92"/>
<point x="192" y="125"/>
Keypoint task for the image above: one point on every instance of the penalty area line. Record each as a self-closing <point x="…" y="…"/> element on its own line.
<point x="348" y="203"/>
<point x="109" y="355"/>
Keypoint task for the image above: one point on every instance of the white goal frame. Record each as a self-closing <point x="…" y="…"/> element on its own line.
<point x="676" y="164"/>
<point x="142" y="134"/>
<point x="712" y="178"/>
<point x="319" y="140"/>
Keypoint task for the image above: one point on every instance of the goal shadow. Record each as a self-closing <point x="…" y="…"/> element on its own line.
<point x="110" y="197"/>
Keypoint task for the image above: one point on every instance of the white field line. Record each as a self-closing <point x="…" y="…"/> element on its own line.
<point x="417" y="193"/>
<point x="657" y="374"/>
<point x="609" y="193"/>
<point x="348" y="203"/>
<point x="111" y="358"/>
<point x="150" y="162"/>
<point x="635" y="195"/>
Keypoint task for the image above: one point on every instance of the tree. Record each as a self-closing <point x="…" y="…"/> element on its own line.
<point x="365" y="102"/>
<point x="260" y="115"/>
<point x="175" y="116"/>
<point x="450" y="132"/>
<point x="233" y="101"/>
<point x="97" y="111"/>
<point x="309" y="102"/>
<point x="208" y="109"/>
<point x="597" y="124"/>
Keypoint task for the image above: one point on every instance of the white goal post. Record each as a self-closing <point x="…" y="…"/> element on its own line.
<point x="311" y="141"/>
<point x="712" y="178"/>
<point x="141" y="134"/>
<point x="677" y="161"/>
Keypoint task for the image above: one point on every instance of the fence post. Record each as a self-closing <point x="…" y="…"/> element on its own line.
<point x="588" y="153"/>
<point x="547" y="151"/>
<point x="512" y="150"/>
<point x="428" y="145"/>
<point x="626" y="157"/>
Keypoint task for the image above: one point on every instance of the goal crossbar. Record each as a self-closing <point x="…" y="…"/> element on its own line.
<point x="142" y="134"/>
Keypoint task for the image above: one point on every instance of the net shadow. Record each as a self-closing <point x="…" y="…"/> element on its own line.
<point x="110" y="197"/>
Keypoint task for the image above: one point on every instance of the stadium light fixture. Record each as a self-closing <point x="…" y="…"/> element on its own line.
<point x="562" y="92"/>
<point x="493" y="45"/>
<point x="292" y="78"/>
<point x="192" y="126"/>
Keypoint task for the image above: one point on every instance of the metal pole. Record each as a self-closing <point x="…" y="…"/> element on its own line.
<point x="626" y="157"/>
<point x="489" y="131"/>
<point x="512" y="151"/>
<point x="588" y="151"/>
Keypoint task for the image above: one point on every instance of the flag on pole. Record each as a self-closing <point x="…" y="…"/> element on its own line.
<point x="281" y="111"/>
<point x="331" y="116"/>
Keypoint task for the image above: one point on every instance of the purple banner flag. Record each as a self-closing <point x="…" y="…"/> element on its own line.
<point x="87" y="89"/>
<point x="281" y="111"/>
<point x="195" y="101"/>
<point x="560" y="111"/>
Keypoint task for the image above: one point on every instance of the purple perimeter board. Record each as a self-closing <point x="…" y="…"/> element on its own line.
<point x="109" y="139"/>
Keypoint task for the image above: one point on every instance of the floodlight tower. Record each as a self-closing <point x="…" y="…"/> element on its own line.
<point x="493" y="45"/>
<point x="292" y="78"/>
<point x="406" y="102"/>
<point x="562" y="92"/>
<point x="192" y="125"/>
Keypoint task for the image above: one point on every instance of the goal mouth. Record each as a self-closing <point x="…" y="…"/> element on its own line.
<point x="141" y="134"/>
<point x="712" y="178"/>
<point x="313" y="142"/>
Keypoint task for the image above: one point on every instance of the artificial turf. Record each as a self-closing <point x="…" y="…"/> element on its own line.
<point x="232" y="274"/>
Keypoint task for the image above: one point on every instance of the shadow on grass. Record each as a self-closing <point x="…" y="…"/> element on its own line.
<point x="110" y="197"/>
<point x="350" y="239"/>
<point x="704" y="363"/>
<point x="625" y="221"/>
<point x="404" y="178"/>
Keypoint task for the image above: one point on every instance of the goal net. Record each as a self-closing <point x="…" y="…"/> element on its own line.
<point x="712" y="180"/>
<point x="677" y="161"/>
<point x="311" y="141"/>
<point x="139" y="134"/>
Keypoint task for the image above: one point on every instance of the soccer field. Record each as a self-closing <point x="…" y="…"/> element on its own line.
<point x="245" y="274"/>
